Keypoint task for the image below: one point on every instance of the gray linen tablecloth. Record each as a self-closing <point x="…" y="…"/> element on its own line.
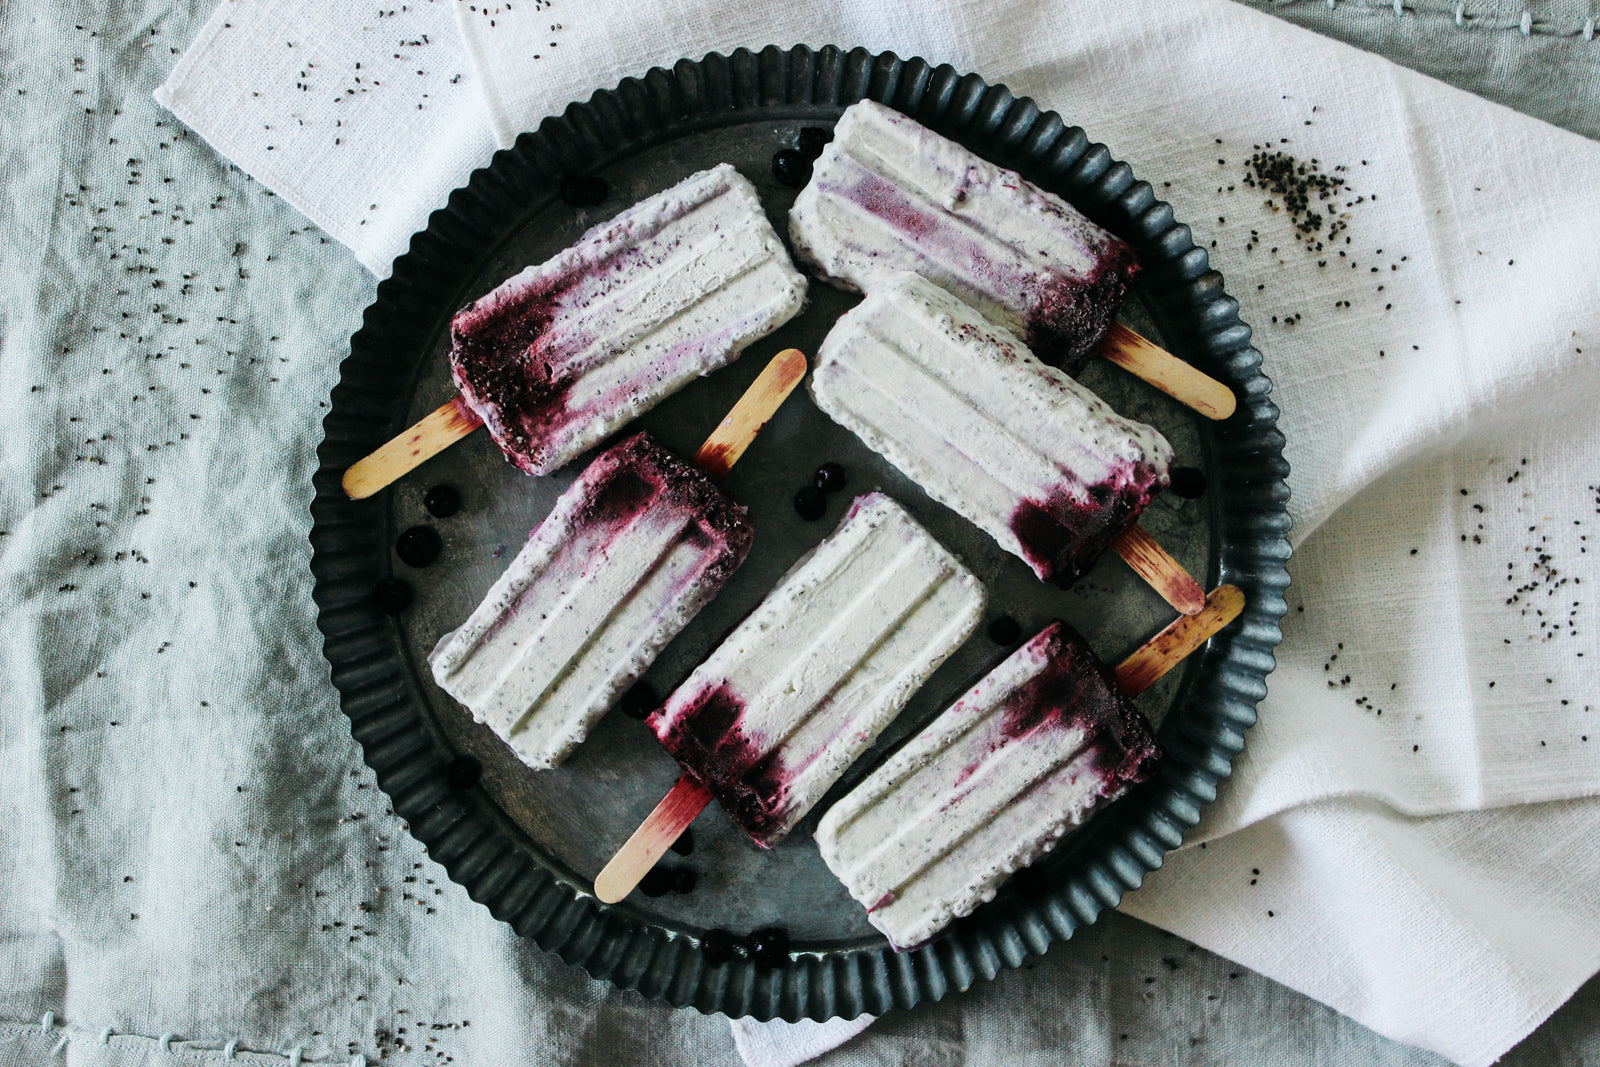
<point x="194" y="861"/>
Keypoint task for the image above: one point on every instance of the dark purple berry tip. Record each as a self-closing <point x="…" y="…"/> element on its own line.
<point x="791" y="168"/>
<point x="392" y="596"/>
<point x="419" y="546"/>
<point x="1005" y="630"/>
<point x="810" y="503"/>
<point x="442" y="501"/>
<point x="830" y="478"/>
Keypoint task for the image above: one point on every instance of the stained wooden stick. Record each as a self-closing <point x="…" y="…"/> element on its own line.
<point x="1167" y="649"/>
<point x="746" y="418"/>
<point x="1145" y="359"/>
<point x="651" y="840"/>
<point x="1158" y="567"/>
<point x="440" y="429"/>
<point x="689" y="798"/>
<point x="453" y="420"/>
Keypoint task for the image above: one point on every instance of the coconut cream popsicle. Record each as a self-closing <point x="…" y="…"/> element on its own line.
<point x="1031" y="751"/>
<point x="809" y="679"/>
<point x="559" y="356"/>
<point x="556" y="358"/>
<point x="632" y="550"/>
<point x="889" y="194"/>
<point x="962" y="407"/>
<point x="1027" y="754"/>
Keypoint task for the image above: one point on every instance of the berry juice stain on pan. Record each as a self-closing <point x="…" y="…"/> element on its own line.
<point x="527" y="844"/>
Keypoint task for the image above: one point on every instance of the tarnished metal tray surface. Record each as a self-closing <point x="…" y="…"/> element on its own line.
<point x="527" y="844"/>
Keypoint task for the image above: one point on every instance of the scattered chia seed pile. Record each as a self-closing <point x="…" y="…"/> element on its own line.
<point x="1303" y="189"/>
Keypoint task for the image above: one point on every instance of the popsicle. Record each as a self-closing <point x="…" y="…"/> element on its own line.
<point x="888" y="194"/>
<point x="559" y="356"/>
<point x="1039" y="744"/>
<point x="629" y="554"/>
<point x="807" y="681"/>
<point x="1020" y="449"/>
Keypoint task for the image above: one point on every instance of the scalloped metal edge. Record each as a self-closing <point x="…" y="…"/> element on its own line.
<point x="472" y="839"/>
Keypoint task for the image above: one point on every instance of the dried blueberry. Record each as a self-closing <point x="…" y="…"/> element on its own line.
<point x="829" y="478"/>
<point x="1030" y="883"/>
<point x="791" y="168"/>
<point x="656" y="882"/>
<point x="419" y="546"/>
<point x="717" y="946"/>
<point x="769" y="946"/>
<point x="583" y="190"/>
<point x="392" y="596"/>
<point x="810" y="503"/>
<point x="1005" y="630"/>
<point x="639" y="701"/>
<point x="442" y="501"/>
<point x="1188" y="482"/>
<point x="683" y="879"/>
<point x="463" y="772"/>
<point x="685" y="842"/>
<point x="812" y="140"/>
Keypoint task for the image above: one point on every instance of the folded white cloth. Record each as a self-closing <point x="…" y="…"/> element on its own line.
<point x="781" y="1044"/>
<point x="1459" y="933"/>
<point x="363" y="118"/>
<point x="1436" y="366"/>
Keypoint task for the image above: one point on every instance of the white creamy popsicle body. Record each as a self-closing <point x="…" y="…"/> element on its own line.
<point x="562" y="354"/>
<point x="962" y="407"/>
<point x="810" y="678"/>
<point x="631" y="551"/>
<point x="1028" y="753"/>
<point x="889" y="194"/>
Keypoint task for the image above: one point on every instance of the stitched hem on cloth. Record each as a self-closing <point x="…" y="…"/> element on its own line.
<point x="196" y="1050"/>
<point x="1525" y="23"/>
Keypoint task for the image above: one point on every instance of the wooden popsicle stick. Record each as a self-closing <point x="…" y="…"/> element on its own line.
<point x="1157" y="566"/>
<point x="1167" y="649"/>
<point x="441" y="428"/>
<point x="716" y="457"/>
<point x="1145" y="359"/>
<point x="651" y="840"/>
<point x="746" y="418"/>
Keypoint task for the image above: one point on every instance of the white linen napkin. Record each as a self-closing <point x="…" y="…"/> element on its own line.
<point x="1436" y="366"/>
<point x="362" y="118"/>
